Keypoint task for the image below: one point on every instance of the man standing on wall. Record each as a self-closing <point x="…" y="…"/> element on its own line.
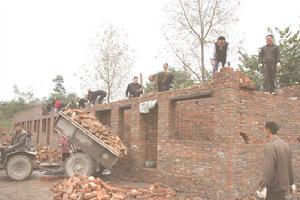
<point x="162" y="80"/>
<point x="134" y="89"/>
<point x="269" y="60"/>
<point x="278" y="176"/>
<point x="220" y="53"/>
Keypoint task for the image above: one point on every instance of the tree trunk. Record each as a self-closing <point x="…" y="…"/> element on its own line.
<point x="108" y="95"/>
<point x="202" y="61"/>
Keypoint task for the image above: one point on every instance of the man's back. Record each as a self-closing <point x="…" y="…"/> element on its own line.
<point x="278" y="169"/>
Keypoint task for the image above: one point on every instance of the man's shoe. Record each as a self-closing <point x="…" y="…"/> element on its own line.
<point x="266" y="92"/>
<point x="273" y="93"/>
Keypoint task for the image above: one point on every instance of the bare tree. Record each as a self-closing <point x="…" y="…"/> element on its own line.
<point x="193" y="24"/>
<point x="110" y="62"/>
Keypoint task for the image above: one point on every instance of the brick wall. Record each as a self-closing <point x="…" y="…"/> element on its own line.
<point x="211" y="144"/>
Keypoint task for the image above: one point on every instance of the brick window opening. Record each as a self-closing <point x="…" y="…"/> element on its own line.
<point x="125" y="126"/>
<point x="193" y="120"/>
<point x="149" y="130"/>
<point x="104" y="117"/>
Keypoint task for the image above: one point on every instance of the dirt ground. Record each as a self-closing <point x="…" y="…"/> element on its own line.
<point x="37" y="188"/>
<point x="32" y="189"/>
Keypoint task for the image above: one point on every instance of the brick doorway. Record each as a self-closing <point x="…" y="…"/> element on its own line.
<point x="149" y="131"/>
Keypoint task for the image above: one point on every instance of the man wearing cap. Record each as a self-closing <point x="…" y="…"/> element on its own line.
<point x="269" y="60"/>
<point x="18" y="141"/>
<point x="220" y="53"/>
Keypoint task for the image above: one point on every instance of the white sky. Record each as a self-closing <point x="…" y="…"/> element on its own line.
<point x="40" y="39"/>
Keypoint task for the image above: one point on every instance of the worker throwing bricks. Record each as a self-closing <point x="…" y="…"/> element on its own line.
<point x="269" y="59"/>
<point x="278" y="176"/>
<point x="162" y="80"/>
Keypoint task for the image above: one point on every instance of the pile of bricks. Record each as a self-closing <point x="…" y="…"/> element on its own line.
<point x="82" y="187"/>
<point x="5" y="139"/>
<point x="48" y="155"/>
<point x="94" y="126"/>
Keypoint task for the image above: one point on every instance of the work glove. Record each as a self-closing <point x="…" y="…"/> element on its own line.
<point x="262" y="194"/>
<point x="293" y="189"/>
<point x="278" y="65"/>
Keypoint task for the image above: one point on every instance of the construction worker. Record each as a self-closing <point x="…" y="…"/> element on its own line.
<point x="162" y="80"/>
<point x="65" y="147"/>
<point x="81" y="102"/>
<point x="134" y="89"/>
<point x="96" y="95"/>
<point x="18" y="142"/>
<point x="278" y="176"/>
<point x="220" y="53"/>
<point x="269" y="60"/>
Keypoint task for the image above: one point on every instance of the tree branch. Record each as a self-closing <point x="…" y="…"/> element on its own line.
<point x="187" y="20"/>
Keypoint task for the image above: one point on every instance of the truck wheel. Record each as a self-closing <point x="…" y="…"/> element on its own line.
<point x="19" y="167"/>
<point x="80" y="163"/>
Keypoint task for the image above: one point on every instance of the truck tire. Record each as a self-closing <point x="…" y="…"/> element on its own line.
<point x="80" y="163"/>
<point x="19" y="167"/>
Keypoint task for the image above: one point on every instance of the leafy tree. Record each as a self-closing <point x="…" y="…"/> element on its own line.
<point x="250" y="67"/>
<point x="59" y="90"/>
<point x="290" y="56"/>
<point x="289" y="45"/>
<point x="182" y="79"/>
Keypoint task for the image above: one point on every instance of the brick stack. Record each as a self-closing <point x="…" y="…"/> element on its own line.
<point x="5" y="139"/>
<point x="48" y="155"/>
<point x="94" y="126"/>
<point x="82" y="187"/>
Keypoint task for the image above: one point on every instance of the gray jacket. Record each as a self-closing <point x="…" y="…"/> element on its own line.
<point x="278" y="172"/>
<point x="19" y="141"/>
<point x="269" y="54"/>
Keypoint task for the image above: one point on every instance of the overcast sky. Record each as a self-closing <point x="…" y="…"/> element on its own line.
<point x="40" y="39"/>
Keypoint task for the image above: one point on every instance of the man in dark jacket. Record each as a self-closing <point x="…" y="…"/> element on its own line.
<point x="94" y="95"/>
<point x="220" y="53"/>
<point x="134" y="89"/>
<point x="162" y="80"/>
<point x="269" y="60"/>
<point x="278" y="175"/>
<point x="18" y="141"/>
<point x="81" y="102"/>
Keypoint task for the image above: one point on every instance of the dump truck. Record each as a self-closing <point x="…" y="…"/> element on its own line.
<point x="89" y="154"/>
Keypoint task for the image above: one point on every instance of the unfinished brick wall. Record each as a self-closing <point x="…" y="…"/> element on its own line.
<point x="213" y="145"/>
<point x="207" y="138"/>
